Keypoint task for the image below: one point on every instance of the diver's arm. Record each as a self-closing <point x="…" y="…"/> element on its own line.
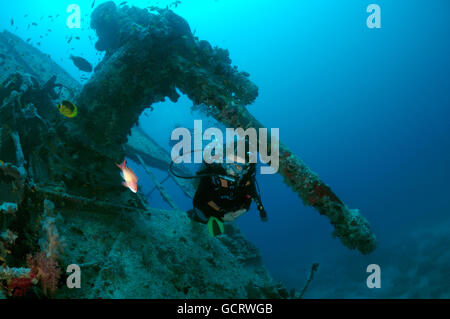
<point x="203" y="198"/>
<point x="246" y="201"/>
<point x="202" y="202"/>
<point x="214" y="206"/>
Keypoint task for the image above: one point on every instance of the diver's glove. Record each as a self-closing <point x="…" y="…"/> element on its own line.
<point x="231" y="216"/>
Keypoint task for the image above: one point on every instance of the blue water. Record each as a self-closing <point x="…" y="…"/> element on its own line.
<point x="366" y="109"/>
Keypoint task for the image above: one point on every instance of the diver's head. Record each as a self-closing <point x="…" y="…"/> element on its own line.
<point x="238" y="164"/>
<point x="235" y="166"/>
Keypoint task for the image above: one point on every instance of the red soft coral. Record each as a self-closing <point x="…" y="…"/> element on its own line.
<point x="46" y="270"/>
<point x="321" y="190"/>
<point x="18" y="287"/>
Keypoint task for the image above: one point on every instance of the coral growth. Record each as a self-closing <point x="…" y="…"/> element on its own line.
<point x="319" y="191"/>
<point x="44" y="265"/>
<point x="18" y="287"/>
<point x="8" y="208"/>
<point x="50" y="243"/>
<point x="46" y="270"/>
<point x="8" y="238"/>
<point x="15" y="281"/>
<point x="3" y="252"/>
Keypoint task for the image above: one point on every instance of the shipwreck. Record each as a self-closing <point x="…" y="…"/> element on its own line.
<point x="61" y="199"/>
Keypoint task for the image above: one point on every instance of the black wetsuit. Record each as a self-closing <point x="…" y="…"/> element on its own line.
<point x="229" y="198"/>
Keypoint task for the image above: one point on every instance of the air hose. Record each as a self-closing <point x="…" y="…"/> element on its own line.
<point x="190" y="177"/>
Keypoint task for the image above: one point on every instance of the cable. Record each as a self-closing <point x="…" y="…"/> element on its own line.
<point x="188" y="177"/>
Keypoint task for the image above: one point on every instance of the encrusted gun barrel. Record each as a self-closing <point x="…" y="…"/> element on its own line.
<point x="352" y="228"/>
<point x="149" y="57"/>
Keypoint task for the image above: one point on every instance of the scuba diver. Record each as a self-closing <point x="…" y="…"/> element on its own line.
<point x="225" y="192"/>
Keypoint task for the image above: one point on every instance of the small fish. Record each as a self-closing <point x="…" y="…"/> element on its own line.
<point x="123" y="3"/>
<point x="81" y="63"/>
<point x="12" y="22"/>
<point x="25" y="16"/>
<point x="68" y="109"/>
<point x="34" y="23"/>
<point x="130" y="178"/>
<point x="93" y="4"/>
<point x="29" y="39"/>
<point x="175" y="4"/>
<point x="77" y="38"/>
<point x="70" y="39"/>
<point x="39" y="43"/>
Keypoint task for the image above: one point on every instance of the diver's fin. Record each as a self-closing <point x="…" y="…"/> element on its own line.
<point x="215" y="227"/>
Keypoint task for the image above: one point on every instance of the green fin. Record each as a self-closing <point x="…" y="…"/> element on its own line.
<point x="215" y="227"/>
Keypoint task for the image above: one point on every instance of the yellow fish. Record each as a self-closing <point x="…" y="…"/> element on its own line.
<point x="68" y="109"/>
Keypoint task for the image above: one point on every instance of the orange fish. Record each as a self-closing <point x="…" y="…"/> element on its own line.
<point x="130" y="179"/>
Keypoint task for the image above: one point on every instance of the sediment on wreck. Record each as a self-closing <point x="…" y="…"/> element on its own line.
<point x="151" y="56"/>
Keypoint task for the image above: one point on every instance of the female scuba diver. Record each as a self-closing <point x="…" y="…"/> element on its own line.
<point x="225" y="192"/>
